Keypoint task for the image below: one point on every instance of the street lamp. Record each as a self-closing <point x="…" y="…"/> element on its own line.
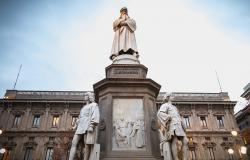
<point x="2" y="150"/>
<point x="230" y="151"/>
<point x="234" y="133"/>
<point x="242" y="149"/>
<point x="1" y="131"/>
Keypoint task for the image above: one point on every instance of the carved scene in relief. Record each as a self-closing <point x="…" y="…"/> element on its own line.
<point x="128" y="124"/>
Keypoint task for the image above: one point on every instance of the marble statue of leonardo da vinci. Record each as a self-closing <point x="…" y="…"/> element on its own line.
<point x="124" y="40"/>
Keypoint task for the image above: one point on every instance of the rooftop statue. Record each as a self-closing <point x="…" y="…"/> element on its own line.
<point x="124" y="40"/>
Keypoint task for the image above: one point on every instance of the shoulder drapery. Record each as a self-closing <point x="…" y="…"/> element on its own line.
<point x="89" y="117"/>
<point x="116" y="24"/>
<point x="163" y="116"/>
<point x="131" y="24"/>
<point x="95" y="115"/>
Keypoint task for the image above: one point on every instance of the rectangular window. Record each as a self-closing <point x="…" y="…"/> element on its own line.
<point x="17" y="120"/>
<point x="28" y="154"/>
<point x="207" y="138"/>
<point x="186" y="121"/>
<point x="203" y="121"/>
<point x="51" y="138"/>
<point x="73" y="122"/>
<point x="247" y="123"/>
<point x="192" y="154"/>
<point x="220" y="121"/>
<point x="55" y="121"/>
<point x="190" y="139"/>
<point x="36" y="121"/>
<point x="225" y="138"/>
<point x="49" y="153"/>
<point x="211" y="153"/>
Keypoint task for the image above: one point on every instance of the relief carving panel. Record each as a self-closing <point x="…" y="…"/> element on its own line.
<point x="128" y="125"/>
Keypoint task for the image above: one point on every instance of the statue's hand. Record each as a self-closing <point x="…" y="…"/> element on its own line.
<point x="74" y="127"/>
<point x="90" y="129"/>
<point x="168" y="136"/>
<point x="123" y="23"/>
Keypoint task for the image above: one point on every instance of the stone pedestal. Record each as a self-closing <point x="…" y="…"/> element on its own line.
<point x="127" y="99"/>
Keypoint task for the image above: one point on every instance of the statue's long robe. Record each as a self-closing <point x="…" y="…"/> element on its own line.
<point x="124" y="37"/>
<point x="89" y="115"/>
<point x="175" y="124"/>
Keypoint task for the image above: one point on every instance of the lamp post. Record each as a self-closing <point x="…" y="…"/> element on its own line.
<point x="234" y="133"/>
<point x="2" y="150"/>
<point x="241" y="149"/>
<point x="230" y="151"/>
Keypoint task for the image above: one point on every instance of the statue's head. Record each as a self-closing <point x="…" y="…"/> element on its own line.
<point x="124" y="10"/>
<point x="168" y="97"/>
<point x="90" y="96"/>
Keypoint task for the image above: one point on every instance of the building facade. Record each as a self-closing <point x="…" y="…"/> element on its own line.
<point x="38" y="125"/>
<point x="243" y="119"/>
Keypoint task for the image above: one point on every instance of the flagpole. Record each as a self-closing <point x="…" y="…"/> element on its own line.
<point x="17" y="76"/>
<point x="218" y="80"/>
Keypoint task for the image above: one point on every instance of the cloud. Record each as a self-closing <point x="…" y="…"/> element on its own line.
<point x="179" y="42"/>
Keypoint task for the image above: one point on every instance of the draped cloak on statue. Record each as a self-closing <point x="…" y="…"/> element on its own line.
<point x="89" y="116"/>
<point x="175" y="124"/>
<point x="124" y="39"/>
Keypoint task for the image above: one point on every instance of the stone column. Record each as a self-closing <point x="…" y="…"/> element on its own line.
<point x="45" y="118"/>
<point x="195" y="123"/>
<point x="228" y="123"/>
<point x="26" y="117"/>
<point x="211" y="119"/>
<point x="64" y="117"/>
<point x="9" y="121"/>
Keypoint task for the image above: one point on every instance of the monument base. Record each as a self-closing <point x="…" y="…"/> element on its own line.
<point x="126" y="59"/>
<point x="127" y="101"/>
<point x="132" y="158"/>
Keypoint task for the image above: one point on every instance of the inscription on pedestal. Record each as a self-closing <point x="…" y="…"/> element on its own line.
<point x="128" y="125"/>
<point x="126" y="71"/>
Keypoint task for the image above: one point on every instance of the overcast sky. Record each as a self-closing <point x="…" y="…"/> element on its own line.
<point x="65" y="45"/>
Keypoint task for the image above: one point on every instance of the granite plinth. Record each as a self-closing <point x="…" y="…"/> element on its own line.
<point x="128" y="111"/>
<point x="126" y="71"/>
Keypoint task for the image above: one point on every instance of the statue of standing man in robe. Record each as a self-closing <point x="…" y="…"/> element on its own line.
<point x="171" y="130"/>
<point x="124" y="40"/>
<point x="86" y="128"/>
